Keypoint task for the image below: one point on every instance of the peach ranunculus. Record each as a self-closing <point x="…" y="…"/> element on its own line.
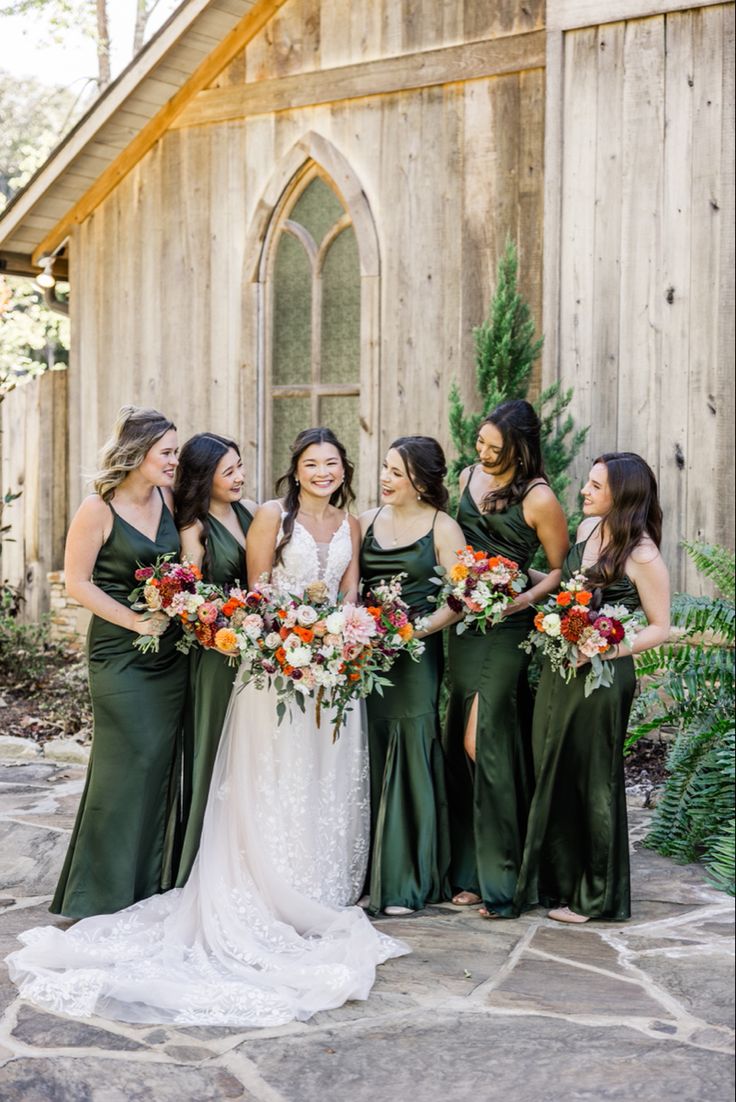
<point x="406" y="631"/>
<point x="538" y="621"/>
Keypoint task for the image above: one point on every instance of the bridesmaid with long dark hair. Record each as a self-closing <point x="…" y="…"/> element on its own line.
<point x="213" y="523"/>
<point x="506" y="508"/>
<point x="118" y="853"/>
<point x="576" y="858"/>
<point x="409" y="534"/>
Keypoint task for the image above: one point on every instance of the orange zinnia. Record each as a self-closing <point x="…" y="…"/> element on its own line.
<point x="458" y="572"/>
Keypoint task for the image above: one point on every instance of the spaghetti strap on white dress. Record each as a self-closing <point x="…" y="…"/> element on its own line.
<point x="262" y="933"/>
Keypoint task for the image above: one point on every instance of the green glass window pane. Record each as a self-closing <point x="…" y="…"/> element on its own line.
<point x="342" y="415"/>
<point x="340" y="358"/>
<point x="317" y="209"/>
<point x="289" y="417"/>
<point x="292" y="313"/>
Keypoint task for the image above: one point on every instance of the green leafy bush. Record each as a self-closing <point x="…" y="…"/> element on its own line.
<point x="506" y="349"/>
<point x="691" y="690"/>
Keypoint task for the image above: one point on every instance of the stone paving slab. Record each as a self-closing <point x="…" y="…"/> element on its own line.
<point x="479" y="1011"/>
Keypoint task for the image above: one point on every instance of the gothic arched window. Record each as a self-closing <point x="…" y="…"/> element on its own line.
<point x="313" y="333"/>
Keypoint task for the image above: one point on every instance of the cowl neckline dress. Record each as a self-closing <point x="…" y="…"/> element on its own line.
<point x="489" y="799"/>
<point x="409" y="825"/>
<point x="122" y="841"/>
<point x="210" y="682"/>
<point x="577" y="847"/>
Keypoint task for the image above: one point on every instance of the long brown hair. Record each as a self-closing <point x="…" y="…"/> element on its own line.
<point x="635" y="512"/>
<point x="426" y="468"/>
<point x="289" y="487"/>
<point x="521" y="431"/>
<point x="198" y="462"/>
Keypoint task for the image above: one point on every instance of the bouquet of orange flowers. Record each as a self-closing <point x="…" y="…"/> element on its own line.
<point x="304" y="646"/>
<point x="396" y="625"/>
<point x="170" y="587"/>
<point x="566" y="627"/>
<point x="479" y="585"/>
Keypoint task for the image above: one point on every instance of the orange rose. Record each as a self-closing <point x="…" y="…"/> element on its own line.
<point x="353" y="677"/>
<point x="284" y="632"/>
<point x="226" y="639"/>
<point x="280" y="656"/>
<point x="583" y="597"/>
<point x="564" y="599"/>
<point x="406" y="632"/>
<point x="538" y="621"/>
<point x="479" y="555"/>
<point x="304" y="634"/>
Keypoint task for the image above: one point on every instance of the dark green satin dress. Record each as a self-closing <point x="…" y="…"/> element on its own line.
<point x="409" y="828"/>
<point x="119" y="847"/>
<point x="210" y="685"/>
<point x="489" y="801"/>
<point x="577" y="848"/>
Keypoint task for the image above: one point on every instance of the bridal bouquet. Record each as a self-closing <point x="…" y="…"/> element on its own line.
<point x="565" y="627"/>
<point x="170" y="587"/>
<point x="303" y="646"/>
<point x="479" y="585"/>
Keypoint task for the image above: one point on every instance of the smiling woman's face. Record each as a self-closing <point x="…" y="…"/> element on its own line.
<point x="597" y="497"/>
<point x="320" y="469"/>
<point x="161" y="460"/>
<point x="227" y="481"/>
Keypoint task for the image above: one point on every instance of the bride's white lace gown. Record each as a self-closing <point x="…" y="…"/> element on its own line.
<point x="262" y="932"/>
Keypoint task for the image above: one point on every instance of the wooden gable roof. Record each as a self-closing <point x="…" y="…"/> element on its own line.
<point x="188" y="52"/>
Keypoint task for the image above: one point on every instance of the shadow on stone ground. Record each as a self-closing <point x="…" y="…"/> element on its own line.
<point x="479" y="1011"/>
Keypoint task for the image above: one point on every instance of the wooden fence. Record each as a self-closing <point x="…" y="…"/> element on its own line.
<point x="34" y="464"/>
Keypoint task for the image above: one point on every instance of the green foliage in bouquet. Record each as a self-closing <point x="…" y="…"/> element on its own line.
<point x="506" y="349"/>
<point x="692" y="691"/>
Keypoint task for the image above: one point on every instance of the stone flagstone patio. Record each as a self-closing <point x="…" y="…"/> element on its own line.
<point x="528" y="1010"/>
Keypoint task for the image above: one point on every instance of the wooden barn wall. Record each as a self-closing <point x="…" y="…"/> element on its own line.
<point x="639" y="265"/>
<point x="450" y="172"/>
<point x="33" y="452"/>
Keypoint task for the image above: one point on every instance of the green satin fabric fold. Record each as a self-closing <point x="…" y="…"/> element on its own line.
<point x="577" y="849"/>
<point x="122" y="836"/>
<point x="409" y="828"/>
<point x="489" y="799"/>
<point x="210" y="685"/>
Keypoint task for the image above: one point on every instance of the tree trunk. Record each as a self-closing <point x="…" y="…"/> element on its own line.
<point x="143" y="11"/>
<point x="103" y="45"/>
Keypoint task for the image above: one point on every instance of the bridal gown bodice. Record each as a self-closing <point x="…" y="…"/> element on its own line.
<point x="262" y="933"/>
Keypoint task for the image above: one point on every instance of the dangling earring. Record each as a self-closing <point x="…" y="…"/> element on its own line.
<point x="419" y="497"/>
<point x="296" y="482"/>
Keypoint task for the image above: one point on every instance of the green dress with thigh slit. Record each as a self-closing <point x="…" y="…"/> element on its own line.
<point x="121" y="840"/>
<point x="577" y="847"/>
<point x="409" y="829"/>
<point x="489" y="800"/>
<point x="211" y="680"/>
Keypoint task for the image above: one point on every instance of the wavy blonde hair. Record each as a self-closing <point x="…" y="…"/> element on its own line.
<point x="135" y="432"/>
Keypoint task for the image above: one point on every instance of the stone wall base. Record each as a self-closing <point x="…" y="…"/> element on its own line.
<point x="68" y="619"/>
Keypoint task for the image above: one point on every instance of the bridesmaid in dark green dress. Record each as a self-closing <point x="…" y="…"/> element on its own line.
<point x="409" y="534"/>
<point x="576" y="858"/>
<point x="508" y="509"/>
<point x="213" y="523"/>
<point x="122" y="835"/>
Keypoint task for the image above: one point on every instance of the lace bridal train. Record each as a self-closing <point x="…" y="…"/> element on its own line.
<point x="261" y="933"/>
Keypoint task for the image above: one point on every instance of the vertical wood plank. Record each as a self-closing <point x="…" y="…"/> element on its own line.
<point x="675" y="444"/>
<point x="641" y="236"/>
<point x="704" y="506"/>
<point x="577" y="235"/>
<point x="604" y="366"/>
<point x="726" y="352"/>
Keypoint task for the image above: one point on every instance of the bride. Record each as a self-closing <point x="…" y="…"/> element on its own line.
<point x="262" y="933"/>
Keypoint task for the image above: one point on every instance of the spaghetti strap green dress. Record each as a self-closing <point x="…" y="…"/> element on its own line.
<point x="211" y="680"/>
<point x="121" y="840"/>
<point x="577" y="847"/>
<point x="409" y="826"/>
<point x="489" y="800"/>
